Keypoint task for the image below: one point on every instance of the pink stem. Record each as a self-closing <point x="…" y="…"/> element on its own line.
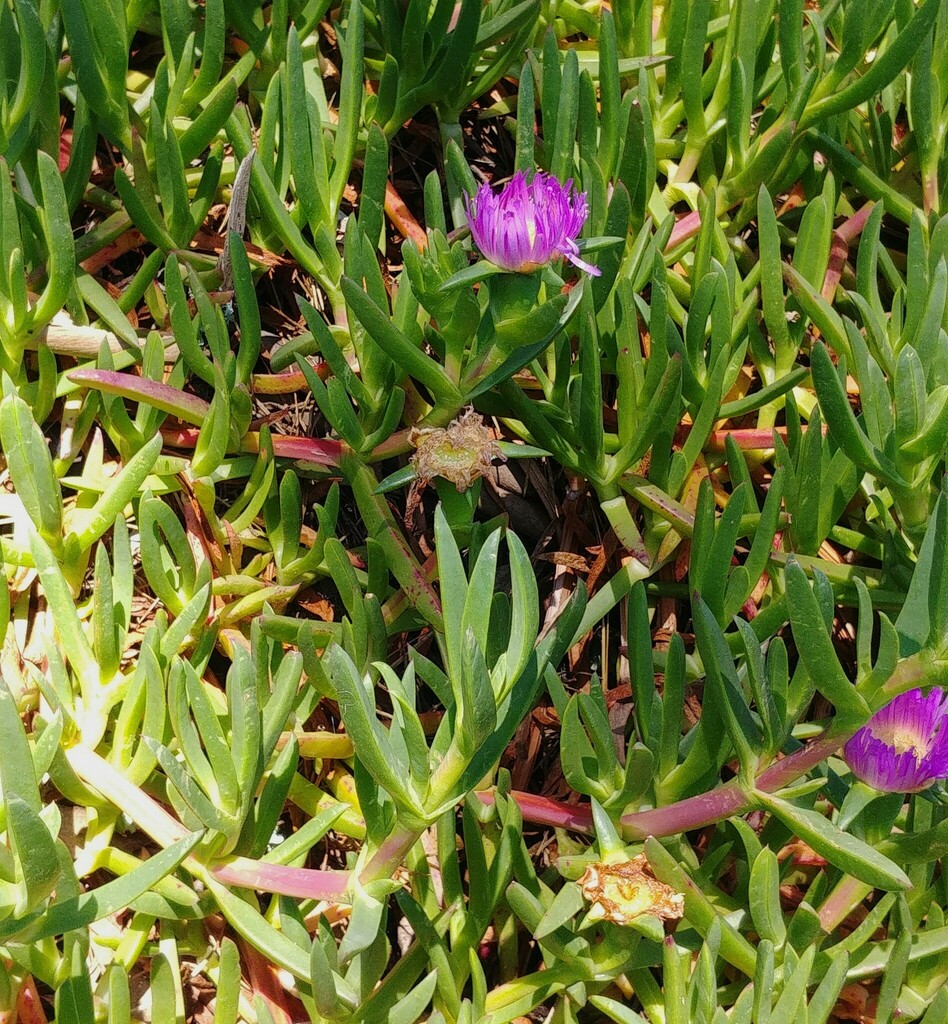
<point x="852" y="227"/>
<point x="729" y="799"/>
<point x="541" y="810"/>
<point x="685" y="227"/>
<point x="694" y="812"/>
<point x="304" y="883"/>
<point x="841" y="902"/>
<point x="162" y="396"/>
<point x="746" y="438"/>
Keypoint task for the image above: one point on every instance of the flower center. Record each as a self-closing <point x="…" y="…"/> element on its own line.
<point x="904" y="739"/>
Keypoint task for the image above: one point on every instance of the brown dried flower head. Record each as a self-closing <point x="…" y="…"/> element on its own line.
<point x="624" y="891"/>
<point x="460" y="452"/>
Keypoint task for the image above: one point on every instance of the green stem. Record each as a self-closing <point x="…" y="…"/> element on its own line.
<point x="921" y="669"/>
<point x="608" y="596"/>
<point x="613" y="502"/>
<point x="520" y="997"/>
<point x="380" y="524"/>
<point x="458" y="507"/>
<point x="915" y="506"/>
<point x="390" y="855"/>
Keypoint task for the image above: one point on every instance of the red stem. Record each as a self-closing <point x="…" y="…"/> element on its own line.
<point x="316" y="450"/>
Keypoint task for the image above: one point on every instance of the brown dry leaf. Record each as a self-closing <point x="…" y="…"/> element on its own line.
<point x="802" y="854"/>
<point x="741" y="385"/>
<point x="318" y="607"/>
<point x="210" y="241"/>
<point x="603" y="553"/>
<point x="852" y="1004"/>
<point x="567" y="558"/>
<point x="126" y="242"/>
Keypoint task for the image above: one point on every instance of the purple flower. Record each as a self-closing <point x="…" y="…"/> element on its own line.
<point x="529" y="223"/>
<point x="904" y="748"/>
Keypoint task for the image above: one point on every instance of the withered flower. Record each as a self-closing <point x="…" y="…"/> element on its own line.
<point x="460" y="452"/>
<point x="626" y="890"/>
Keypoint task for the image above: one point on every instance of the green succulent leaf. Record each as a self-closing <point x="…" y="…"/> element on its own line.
<point x="841" y="849"/>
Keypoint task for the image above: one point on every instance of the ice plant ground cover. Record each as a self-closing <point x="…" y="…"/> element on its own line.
<point x="473" y="511"/>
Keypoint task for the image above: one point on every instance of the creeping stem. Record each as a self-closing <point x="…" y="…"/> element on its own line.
<point x="684" y="815"/>
<point x="729" y="799"/>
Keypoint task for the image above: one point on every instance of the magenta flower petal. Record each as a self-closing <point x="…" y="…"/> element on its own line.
<point x="904" y="747"/>
<point x="529" y="223"/>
